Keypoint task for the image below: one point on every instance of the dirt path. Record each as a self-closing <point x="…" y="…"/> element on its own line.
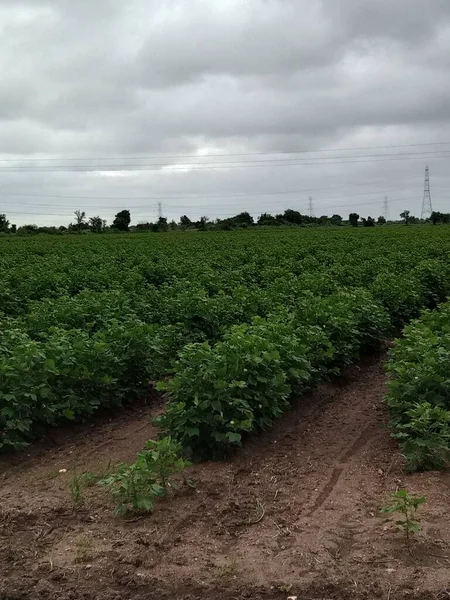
<point x="295" y="512"/>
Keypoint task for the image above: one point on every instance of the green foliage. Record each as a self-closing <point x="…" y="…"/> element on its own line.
<point x="434" y="277"/>
<point x="353" y="219"/>
<point x="70" y="374"/>
<point x="243" y="383"/>
<point x="405" y="215"/>
<point x="220" y="392"/>
<point x="122" y="220"/>
<point x="425" y="437"/>
<point x="134" y="487"/>
<point x="93" y="321"/>
<point x="4" y="224"/>
<point x="351" y="321"/>
<point x="419" y="391"/>
<point x="406" y="506"/>
<point x="164" y="458"/>
<point x="401" y="294"/>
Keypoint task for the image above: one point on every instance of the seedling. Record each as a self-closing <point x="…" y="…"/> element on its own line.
<point x="76" y="489"/>
<point x="135" y="486"/>
<point x="89" y="479"/>
<point x="406" y="505"/>
<point x="164" y="458"/>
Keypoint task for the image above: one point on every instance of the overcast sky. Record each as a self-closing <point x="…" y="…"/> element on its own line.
<point x="119" y="100"/>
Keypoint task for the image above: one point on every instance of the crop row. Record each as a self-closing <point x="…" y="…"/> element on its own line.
<point x="240" y="321"/>
<point x="419" y="390"/>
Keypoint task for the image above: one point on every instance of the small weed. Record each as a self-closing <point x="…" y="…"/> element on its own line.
<point x="50" y="475"/>
<point x="135" y="486"/>
<point x="165" y="460"/>
<point x="90" y="479"/>
<point x="406" y="505"/>
<point x="76" y="489"/>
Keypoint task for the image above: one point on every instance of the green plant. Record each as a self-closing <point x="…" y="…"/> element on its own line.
<point x="134" y="487"/>
<point x="93" y="321"/>
<point x="419" y="391"/>
<point x="406" y="506"/>
<point x="425" y="438"/>
<point x="221" y="392"/>
<point x="89" y="479"/>
<point x="76" y="489"/>
<point x="163" y="457"/>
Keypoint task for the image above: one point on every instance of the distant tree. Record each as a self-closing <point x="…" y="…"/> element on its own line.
<point x="185" y="222"/>
<point x="225" y="224"/>
<point x="438" y="217"/>
<point x="173" y="225"/>
<point x="97" y="224"/>
<point x="122" y="220"/>
<point x="27" y="229"/>
<point x="353" y="218"/>
<point x="201" y="224"/>
<point x="51" y="230"/>
<point x="162" y="224"/>
<point x="336" y="220"/>
<point x="381" y="220"/>
<point x="243" y="219"/>
<point x="405" y="216"/>
<point x="323" y="220"/>
<point x="369" y="222"/>
<point x="144" y="226"/>
<point x="13" y="228"/>
<point x="293" y="216"/>
<point x="266" y="219"/>
<point x="4" y="224"/>
<point x="80" y="217"/>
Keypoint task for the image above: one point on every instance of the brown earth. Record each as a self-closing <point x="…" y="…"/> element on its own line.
<point x="294" y="513"/>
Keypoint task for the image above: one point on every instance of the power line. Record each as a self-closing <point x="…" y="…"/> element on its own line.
<point x="222" y="164"/>
<point x="197" y="197"/>
<point x="331" y="206"/>
<point x="204" y="167"/>
<point x="263" y="161"/>
<point x="266" y="153"/>
<point x="184" y="205"/>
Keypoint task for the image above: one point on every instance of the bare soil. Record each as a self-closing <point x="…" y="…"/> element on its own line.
<point x="294" y="513"/>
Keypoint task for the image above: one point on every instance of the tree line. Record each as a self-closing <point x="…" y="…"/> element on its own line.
<point x="290" y="217"/>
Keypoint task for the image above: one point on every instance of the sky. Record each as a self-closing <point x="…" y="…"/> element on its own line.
<point x="216" y="107"/>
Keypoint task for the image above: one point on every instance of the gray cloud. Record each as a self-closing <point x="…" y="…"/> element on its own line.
<point x="112" y="79"/>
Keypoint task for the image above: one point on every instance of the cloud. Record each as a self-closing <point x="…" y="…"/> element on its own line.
<point x="90" y="80"/>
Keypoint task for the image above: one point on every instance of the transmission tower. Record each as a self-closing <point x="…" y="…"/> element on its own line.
<point x="426" y="202"/>
<point x="159" y="210"/>
<point x="310" y="207"/>
<point x="386" y="209"/>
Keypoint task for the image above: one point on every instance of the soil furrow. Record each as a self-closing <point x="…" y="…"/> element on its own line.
<point x="318" y="478"/>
